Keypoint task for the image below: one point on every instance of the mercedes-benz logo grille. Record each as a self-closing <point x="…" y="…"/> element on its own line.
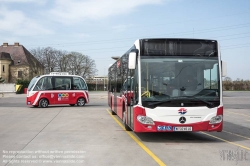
<point x="182" y="119"/>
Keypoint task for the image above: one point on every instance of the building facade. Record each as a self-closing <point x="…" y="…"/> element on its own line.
<point x="16" y="62"/>
<point x="97" y="83"/>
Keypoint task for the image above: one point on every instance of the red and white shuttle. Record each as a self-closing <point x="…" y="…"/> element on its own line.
<point x="57" y="88"/>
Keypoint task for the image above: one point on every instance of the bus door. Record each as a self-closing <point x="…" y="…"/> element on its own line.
<point x="62" y="93"/>
<point x="115" y="95"/>
<point x="130" y="98"/>
<point x="118" y="95"/>
<point x="112" y="89"/>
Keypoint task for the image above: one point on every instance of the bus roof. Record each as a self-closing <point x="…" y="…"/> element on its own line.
<point x="177" y="39"/>
<point x="59" y="74"/>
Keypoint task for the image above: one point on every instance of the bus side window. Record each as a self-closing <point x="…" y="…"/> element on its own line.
<point x="62" y="83"/>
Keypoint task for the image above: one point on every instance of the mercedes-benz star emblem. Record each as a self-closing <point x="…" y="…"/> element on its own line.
<point x="182" y="119"/>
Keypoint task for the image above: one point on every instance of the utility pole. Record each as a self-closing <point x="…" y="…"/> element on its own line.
<point x="95" y="84"/>
<point x="104" y="80"/>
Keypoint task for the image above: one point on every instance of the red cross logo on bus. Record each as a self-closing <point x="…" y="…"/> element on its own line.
<point x="182" y="111"/>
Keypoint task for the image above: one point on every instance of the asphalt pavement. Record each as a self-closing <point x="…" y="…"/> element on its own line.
<point x="90" y="135"/>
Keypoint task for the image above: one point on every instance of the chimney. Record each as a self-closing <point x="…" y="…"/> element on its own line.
<point x="5" y="44"/>
<point x="16" y="44"/>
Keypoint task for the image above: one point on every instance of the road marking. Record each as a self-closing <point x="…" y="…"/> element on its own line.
<point x="150" y="153"/>
<point x="237" y="113"/>
<point x="244" y="147"/>
<point x="236" y="134"/>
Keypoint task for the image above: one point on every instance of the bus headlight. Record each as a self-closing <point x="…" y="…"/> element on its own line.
<point x="216" y="119"/>
<point x="145" y="120"/>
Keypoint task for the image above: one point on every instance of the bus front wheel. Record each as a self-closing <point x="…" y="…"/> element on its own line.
<point x="127" y="128"/>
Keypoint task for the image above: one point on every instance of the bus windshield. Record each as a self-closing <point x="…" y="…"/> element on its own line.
<point x="172" y="81"/>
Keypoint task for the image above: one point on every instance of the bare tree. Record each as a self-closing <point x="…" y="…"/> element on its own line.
<point x="227" y="83"/>
<point x="51" y="59"/>
<point x="48" y="57"/>
<point x="38" y="54"/>
<point x="81" y="64"/>
<point x="228" y="79"/>
<point x="62" y="61"/>
<point x="35" y="65"/>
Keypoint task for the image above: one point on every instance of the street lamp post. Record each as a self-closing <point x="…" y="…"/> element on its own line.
<point x="95" y="84"/>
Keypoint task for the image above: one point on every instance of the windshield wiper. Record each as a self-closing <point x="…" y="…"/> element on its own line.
<point x="209" y="104"/>
<point x="183" y="98"/>
<point x="155" y="103"/>
<point x="158" y="102"/>
<point x="200" y="93"/>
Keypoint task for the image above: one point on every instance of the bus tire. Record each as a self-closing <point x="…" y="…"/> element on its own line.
<point x="43" y="103"/>
<point x="112" y="112"/>
<point x="81" y="101"/>
<point x="72" y="104"/>
<point x="127" y="128"/>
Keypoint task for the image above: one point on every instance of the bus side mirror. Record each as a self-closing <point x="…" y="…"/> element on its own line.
<point x="223" y="69"/>
<point x="131" y="60"/>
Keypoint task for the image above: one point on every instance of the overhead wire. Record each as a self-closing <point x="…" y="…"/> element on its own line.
<point x="116" y="49"/>
<point x="125" y="39"/>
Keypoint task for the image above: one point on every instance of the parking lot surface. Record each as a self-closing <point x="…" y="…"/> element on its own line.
<point x="90" y="135"/>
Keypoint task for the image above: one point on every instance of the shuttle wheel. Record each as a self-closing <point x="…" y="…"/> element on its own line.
<point x="81" y="101"/>
<point x="43" y="103"/>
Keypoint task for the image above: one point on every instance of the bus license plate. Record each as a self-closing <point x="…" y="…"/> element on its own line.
<point x="182" y="128"/>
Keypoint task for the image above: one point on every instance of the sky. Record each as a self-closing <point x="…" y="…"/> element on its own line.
<point x="103" y="29"/>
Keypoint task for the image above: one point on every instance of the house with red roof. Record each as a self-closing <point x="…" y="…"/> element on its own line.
<point x="16" y="62"/>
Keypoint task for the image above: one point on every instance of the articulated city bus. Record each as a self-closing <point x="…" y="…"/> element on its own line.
<point x="57" y="88"/>
<point x="168" y="85"/>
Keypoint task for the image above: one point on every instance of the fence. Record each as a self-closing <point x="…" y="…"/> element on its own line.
<point x="7" y="87"/>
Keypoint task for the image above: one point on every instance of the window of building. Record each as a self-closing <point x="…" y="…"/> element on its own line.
<point x="3" y="68"/>
<point x="20" y="74"/>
